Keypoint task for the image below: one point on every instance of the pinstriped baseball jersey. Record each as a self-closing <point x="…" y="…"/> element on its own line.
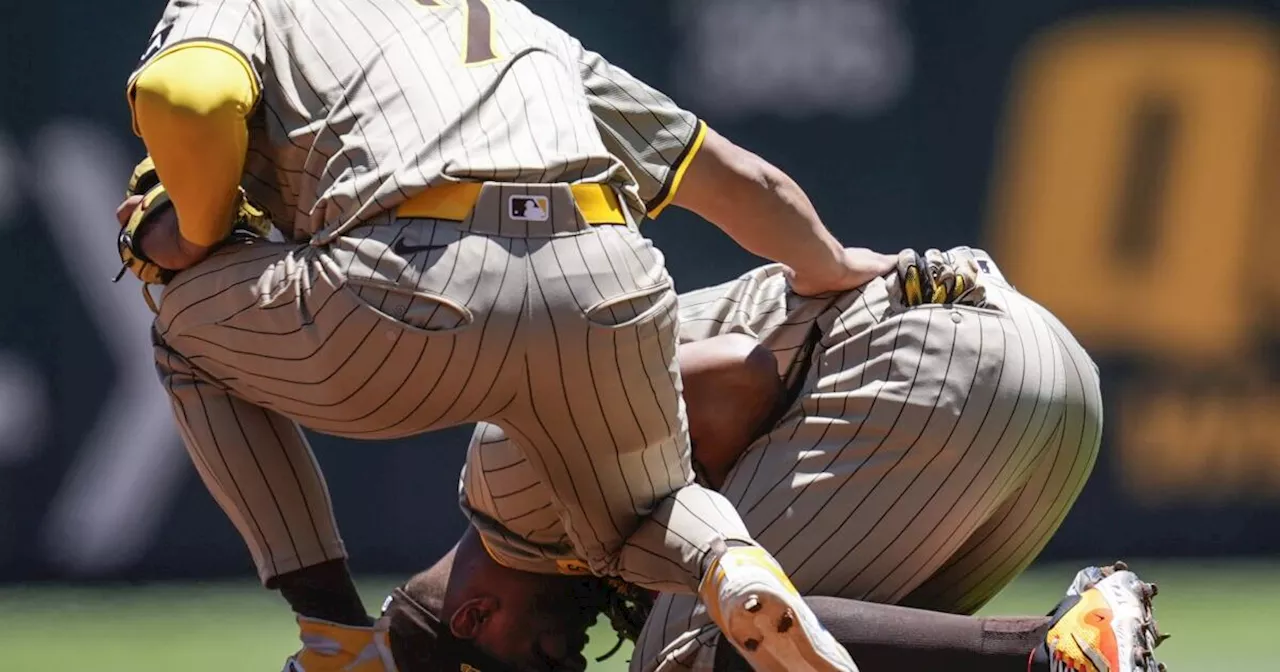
<point x="929" y="457"/>
<point x="371" y="325"/>
<point x="366" y="102"/>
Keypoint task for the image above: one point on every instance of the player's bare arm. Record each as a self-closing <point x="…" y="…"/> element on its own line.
<point x="768" y="214"/>
<point x="678" y="159"/>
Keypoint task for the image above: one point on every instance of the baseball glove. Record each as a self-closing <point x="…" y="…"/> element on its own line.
<point x="937" y="277"/>
<point x="251" y="221"/>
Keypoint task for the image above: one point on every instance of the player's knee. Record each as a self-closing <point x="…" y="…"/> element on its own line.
<point x="731" y="387"/>
<point x="729" y="366"/>
<point x="732" y="358"/>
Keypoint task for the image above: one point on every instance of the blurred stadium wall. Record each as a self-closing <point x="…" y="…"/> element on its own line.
<point x="1120" y="160"/>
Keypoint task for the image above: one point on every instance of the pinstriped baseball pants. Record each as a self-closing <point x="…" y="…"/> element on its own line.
<point x="930" y="457"/>
<point x="560" y="332"/>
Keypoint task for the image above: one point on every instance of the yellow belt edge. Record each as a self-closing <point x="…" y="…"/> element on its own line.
<point x="598" y="203"/>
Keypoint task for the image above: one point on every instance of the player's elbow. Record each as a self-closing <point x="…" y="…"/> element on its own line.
<point x="195" y="82"/>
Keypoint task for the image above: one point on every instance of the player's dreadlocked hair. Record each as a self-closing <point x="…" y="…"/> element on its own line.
<point x="627" y="607"/>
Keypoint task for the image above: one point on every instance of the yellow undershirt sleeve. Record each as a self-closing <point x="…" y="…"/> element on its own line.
<point x="191" y="107"/>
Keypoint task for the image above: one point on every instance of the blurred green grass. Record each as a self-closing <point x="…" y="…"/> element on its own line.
<point x="1220" y="614"/>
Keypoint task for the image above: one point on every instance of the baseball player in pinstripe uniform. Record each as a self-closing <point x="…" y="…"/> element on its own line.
<point x="931" y="453"/>
<point x="459" y="184"/>
<point x="929" y="450"/>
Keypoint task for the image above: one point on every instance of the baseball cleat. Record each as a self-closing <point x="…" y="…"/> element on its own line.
<point x="1104" y="624"/>
<point x="330" y="647"/>
<point x="760" y="612"/>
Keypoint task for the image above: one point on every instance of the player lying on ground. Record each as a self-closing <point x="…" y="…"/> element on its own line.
<point x="551" y="615"/>
<point x="461" y="184"/>
<point x="927" y="456"/>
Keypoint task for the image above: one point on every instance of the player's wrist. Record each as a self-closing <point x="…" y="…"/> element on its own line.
<point x="191" y="252"/>
<point x="856" y="266"/>
<point x="161" y="241"/>
<point x="814" y="279"/>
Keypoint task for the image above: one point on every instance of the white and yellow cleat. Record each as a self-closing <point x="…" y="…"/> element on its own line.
<point x="760" y="612"/>
<point x="1105" y="624"/>
<point x="330" y="647"/>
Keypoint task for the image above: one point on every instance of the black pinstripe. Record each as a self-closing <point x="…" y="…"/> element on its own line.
<point x="1032" y="455"/>
<point x="577" y="430"/>
<point x="595" y="390"/>
<point x="983" y="502"/>
<point x="883" y="438"/>
<point x="672" y="475"/>
<point x="185" y="424"/>
<point x="449" y="360"/>
<point x="891" y="432"/>
<point x="297" y="481"/>
<point x="783" y="507"/>
<point x="968" y="448"/>
<point x="1030" y="524"/>
<point x="257" y="463"/>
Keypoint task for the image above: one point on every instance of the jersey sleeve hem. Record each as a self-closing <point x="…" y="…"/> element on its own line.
<point x="675" y="176"/>
<point x="219" y="45"/>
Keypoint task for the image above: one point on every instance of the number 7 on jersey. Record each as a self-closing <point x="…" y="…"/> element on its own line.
<point x="477" y="46"/>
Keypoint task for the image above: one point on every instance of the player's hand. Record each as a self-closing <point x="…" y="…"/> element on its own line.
<point x="160" y="240"/>
<point x="857" y="267"/>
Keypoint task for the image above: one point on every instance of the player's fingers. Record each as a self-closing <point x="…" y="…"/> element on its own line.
<point x="913" y="276"/>
<point x="943" y="275"/>
<point x="965" y="271"/>
<point x="966" y="279"/>
<point x="869" y="263"/>
<point x="125" y="211"/>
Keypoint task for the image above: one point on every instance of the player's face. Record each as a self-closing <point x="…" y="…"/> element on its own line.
<point x="542" y="623"/>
